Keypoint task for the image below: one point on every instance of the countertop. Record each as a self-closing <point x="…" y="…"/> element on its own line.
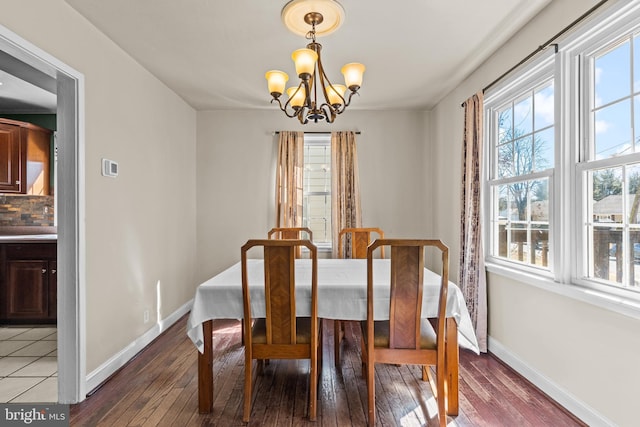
<point x="30" y="238"/>
<point x="24" y="234"/>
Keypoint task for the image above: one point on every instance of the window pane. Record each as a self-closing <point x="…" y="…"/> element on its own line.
<point x="521" y="222"/>
<point x="500" y="224"/>
<point x="544" y="107"/>
<point x="612" y="130"/>
<point x="523" y="117"/>
<point x="636" y="123"/>
<point x="519" y="198"/>
<point x="505" y="123"/>
<point x="607" y="253"/>
<point x="518" y="245"/>
<point x="606" y="205"/>
<point x="636" y="63"/>
<point x="523" y="155"/>
<point x="316" y="210"/>
<point x="318" y="217"/>
<point x="634" y="256"/>
<point x="523" y="134"/>
<point x="539" y="190"/>
<point x="505" y="160"/>
<point x="633" y="193"/>
<point x="543" y="149"/>
<point x="612" y="75"/>
<point x="539" y="222"/>
<point x="503" y="202"/>
<point x="540" y="244"/>
<point x="317" y="174"/>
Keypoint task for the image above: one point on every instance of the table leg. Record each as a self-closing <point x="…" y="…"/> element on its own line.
<point x="205" y="370"/>
<point x="338" y="332"/>
<point x="452" y="354"/>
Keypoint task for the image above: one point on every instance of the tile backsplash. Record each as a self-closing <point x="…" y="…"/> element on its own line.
<point x="19" y="210"/>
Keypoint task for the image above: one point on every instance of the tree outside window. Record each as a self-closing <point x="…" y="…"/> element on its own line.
<point x="524" y="154"/>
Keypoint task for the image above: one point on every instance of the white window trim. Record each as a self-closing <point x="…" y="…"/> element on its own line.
<point x="567" y="191"/>
<point x="538" y="70"/>
<point x="320" y="139"/>
<point x="613" y="22"/>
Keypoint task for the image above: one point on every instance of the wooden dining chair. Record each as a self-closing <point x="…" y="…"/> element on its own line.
<point x="406" y="338"/>
<point x="352" y="243"/>
<point x="291" y="233"/>
<point x="281" y="334"/>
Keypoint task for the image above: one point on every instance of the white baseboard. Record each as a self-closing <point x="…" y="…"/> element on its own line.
<point x="574" y="405"/>
<point x="108" y="368"/>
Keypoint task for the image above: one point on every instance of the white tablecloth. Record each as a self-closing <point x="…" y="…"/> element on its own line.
<point x="342" y="294"/>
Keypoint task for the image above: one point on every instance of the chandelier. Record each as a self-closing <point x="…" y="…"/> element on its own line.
<point x="315" y="98"/>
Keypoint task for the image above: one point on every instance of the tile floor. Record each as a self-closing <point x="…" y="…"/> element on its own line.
<point x="28" y="364"/>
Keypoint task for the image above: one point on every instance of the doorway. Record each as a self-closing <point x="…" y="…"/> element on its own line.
<point x="69" y="88"/>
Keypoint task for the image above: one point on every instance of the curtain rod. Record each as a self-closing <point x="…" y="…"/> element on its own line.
<point x="544" y="45"/>
<point x="278" y="132"/>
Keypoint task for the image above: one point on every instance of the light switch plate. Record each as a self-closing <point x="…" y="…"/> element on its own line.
<point x="109" y="168"/>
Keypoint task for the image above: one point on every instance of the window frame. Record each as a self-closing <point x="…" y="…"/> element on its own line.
<point x="615" y="25"/>
<point x="572" y="136"/>
<point x="540" y="70"/>
<point x="322" y="139"/>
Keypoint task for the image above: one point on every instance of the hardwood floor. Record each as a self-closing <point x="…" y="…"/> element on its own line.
<point x="159" y="388"/>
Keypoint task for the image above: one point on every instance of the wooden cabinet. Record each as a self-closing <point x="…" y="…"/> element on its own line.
<point x="25" y="157"/>
<point x="10" y="145"/>
<point x="29" y="283"/>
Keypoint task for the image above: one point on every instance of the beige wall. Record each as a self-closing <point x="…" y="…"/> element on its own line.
<point x="140" y="227"/>
<point x="590" y="352"/>
<point x="587" y="351"/>
<point x="236" y="159"/>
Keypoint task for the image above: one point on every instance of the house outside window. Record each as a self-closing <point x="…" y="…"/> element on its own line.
<point x="316" y="207"/>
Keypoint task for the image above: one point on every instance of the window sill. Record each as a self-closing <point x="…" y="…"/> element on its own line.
<point x="321" y="249"/>
<point x="594" y="297"/>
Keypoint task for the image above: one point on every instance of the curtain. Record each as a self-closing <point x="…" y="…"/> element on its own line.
<point x="472" y="272"/>
<point x="345" y="186"/>
<point x="289" y="179"/>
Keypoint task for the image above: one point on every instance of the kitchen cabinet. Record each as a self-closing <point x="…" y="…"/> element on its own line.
<point x="29" y="283"/>
<point x="25" y="157"/>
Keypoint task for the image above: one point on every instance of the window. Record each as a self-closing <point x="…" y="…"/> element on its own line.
<point x="520" y="125"/>
<point x="562" y="190"/>
<point x="316" y="208"/>
<point x="610" y="166"/>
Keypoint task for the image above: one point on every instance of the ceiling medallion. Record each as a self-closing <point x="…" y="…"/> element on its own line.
<point x="324" y="17"/>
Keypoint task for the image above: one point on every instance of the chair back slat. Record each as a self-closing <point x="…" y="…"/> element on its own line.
<point x="359" y="242"/>
<point x="279" y="265"/>
<point x="407" y="267"/>
<point x="353" y="242"/>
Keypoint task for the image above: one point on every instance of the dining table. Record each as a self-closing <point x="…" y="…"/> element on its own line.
<point x="342" y="295"/>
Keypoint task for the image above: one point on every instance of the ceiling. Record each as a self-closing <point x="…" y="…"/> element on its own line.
<point x="214" y="53"/>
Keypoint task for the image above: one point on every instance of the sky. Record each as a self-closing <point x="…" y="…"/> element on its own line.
<point x="613" y="95"/>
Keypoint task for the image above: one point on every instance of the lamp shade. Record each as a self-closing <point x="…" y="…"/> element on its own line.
<point x="296" y="99"/>
<point x="353" y="75"/>
<point x="276" y="81"/>
<point x="305" y="60"/>
<point x="336" y="94"/>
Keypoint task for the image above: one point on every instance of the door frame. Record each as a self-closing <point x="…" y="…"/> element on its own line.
<point x="70" y="198"/>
